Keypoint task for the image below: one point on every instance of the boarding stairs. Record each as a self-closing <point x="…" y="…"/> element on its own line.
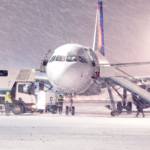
<point x="125" y="82"/>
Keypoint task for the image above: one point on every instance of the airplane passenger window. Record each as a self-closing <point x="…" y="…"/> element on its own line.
<point x="52" y="59"/>
<point x="71" y="58"/>
<point x="82" y="59"/>
<point x="60" y="58"/>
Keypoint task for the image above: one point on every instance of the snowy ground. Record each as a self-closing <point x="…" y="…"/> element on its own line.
<point x="91" y="128"/>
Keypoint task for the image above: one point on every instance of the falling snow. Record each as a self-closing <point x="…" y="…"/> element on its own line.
<point x="29" y="28"/>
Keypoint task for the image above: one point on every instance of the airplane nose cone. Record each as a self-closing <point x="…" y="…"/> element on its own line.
<point x="70" y="77"/>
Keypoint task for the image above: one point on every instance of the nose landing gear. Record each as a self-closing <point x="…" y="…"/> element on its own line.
<point x="70" y="108"/>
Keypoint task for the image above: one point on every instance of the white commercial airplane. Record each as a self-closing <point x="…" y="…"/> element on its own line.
<point x="71" y="66"/>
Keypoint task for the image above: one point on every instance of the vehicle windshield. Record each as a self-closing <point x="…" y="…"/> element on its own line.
<point x="26" y="88"/>
<point x="71" y="58"/>
<point x="52" y="59"/>
<point x="60" y="58"/>
<point x="23" y="88"/>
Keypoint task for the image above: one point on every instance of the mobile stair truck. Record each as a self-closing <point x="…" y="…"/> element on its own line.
<point x="20" y="84"/>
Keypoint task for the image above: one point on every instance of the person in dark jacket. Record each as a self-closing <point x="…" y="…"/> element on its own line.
<point x="140" y="110"/>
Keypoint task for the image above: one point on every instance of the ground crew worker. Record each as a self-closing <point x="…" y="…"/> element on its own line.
<point x="140" y="110"/>
<point x="8" y="103"/>
<point x="60" y="103"/>
<point x="139" y="107"/>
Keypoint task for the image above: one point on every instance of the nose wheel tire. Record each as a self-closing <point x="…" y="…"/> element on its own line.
<point x="70" y="109"/>
<point x="67" y="110"/>
<point x="60" y="110"/>
<point x="73" y="110"/>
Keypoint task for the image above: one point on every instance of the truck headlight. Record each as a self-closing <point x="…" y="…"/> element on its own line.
<point x="33" y="106"/>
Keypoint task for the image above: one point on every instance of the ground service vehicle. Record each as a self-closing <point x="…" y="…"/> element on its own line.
<point x="46" y="101"/>
<point x="20" y="84"/>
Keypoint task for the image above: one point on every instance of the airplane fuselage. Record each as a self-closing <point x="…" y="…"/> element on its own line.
<point x="70" y="69"/>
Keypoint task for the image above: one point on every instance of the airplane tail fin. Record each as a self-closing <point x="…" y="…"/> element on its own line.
<point x="98" y="43"/>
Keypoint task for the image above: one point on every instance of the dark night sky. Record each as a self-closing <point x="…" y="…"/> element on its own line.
<point x="29" y="28"/>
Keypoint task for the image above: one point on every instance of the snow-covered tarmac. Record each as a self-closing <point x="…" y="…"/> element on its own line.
<point x="88" y="130"/>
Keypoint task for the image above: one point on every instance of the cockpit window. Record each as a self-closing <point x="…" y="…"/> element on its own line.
<point x="82" y="59"/>
<point x="60" y="58"/>
<point x="52" y="59"/>
<point x="71" y="58"/>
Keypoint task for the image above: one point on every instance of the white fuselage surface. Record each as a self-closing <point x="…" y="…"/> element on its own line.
<point x="70" y="69"/>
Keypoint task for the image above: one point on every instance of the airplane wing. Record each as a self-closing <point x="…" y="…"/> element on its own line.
<point x="126" y="64"/>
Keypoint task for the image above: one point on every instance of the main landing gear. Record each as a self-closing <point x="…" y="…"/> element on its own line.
<point x="123" y="105"/>
<point x="128" y="107"/>
<point x="120" y="105"/>
<point x="70" y="108"/>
